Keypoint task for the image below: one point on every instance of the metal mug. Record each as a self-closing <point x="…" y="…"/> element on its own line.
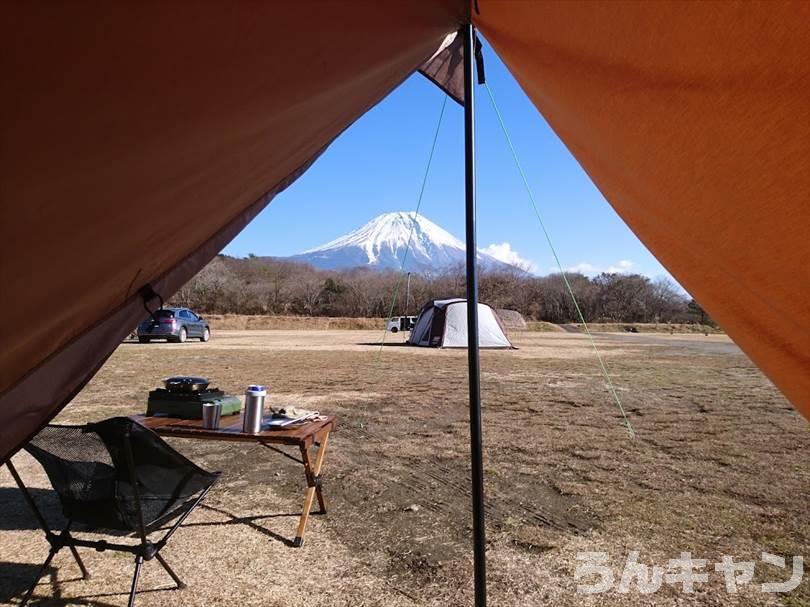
<point x="254" y="409"/>
<point x="211" y="414"/>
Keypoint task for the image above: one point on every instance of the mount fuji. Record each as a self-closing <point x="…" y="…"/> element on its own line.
<point x="381" y="243"/>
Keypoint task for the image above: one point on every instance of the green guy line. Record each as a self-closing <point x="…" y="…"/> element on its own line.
<point x="416" y="216"/>
<point x="602" y="364"/>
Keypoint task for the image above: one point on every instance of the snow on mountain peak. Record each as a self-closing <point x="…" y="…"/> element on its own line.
<point x="382" y="242"/>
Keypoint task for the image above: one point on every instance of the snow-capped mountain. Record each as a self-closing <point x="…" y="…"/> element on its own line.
<point x="381" y="244"/>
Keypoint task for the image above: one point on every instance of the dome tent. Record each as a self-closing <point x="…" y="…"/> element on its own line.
<point x="442" y="323"/>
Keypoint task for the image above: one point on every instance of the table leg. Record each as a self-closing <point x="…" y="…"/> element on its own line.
<point x="321" y="438"/>
<point x="313" y="472"/>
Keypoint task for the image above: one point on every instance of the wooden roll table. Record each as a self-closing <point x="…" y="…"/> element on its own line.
<point x="307" y="436"/>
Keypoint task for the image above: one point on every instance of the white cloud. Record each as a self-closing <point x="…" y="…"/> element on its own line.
<point x="505" y="253"/>
<point x="623" y="266"/>
<point x="582" y="267"/>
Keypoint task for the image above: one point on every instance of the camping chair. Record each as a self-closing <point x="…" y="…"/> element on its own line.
<point x="116" y="476"/>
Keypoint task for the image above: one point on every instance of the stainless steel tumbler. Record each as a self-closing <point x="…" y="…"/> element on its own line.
<point x="254" y="409"/>
<point x="211" y="414"/>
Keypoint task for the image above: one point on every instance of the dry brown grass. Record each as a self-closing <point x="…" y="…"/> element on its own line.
<point x="241" y="322"/>
<point x="717" y="468"/>
<point x="543" y="326"/>
<point x="649" y="327"/>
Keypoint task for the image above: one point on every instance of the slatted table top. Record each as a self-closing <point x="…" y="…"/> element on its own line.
<point x="230" y="429"/>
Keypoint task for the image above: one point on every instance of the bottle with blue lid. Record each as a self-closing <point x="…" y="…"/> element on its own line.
<point x="254" y="409"/>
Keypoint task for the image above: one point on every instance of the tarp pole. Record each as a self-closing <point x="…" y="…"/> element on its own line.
<point x="476" y="449"/>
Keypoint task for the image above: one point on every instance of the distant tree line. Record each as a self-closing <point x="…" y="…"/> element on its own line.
<point x="263" y="285"/>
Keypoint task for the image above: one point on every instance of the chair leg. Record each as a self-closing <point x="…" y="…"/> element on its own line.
<point x="138" y="563"/>
<point x="80" y="563"/>
<point x="180" y="583"/>
<point x="41" y="572"/>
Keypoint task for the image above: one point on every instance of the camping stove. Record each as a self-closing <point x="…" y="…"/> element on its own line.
<point x="183" y="397"/>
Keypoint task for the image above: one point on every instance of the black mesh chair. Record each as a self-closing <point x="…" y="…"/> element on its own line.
<point x="115" y="476"/>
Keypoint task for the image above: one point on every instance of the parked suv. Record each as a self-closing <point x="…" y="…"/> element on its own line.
<point x="173" y="324"/>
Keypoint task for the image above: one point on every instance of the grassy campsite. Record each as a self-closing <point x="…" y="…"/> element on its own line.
<point x="713" y="470"/>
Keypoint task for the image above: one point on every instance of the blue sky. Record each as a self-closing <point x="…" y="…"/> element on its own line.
<point x="377" y="166"/>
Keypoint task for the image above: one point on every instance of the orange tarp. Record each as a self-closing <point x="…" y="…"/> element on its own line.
<point x="133" y="132"/>
<point x="138" y="139"/>
<point x="693" y="119"/>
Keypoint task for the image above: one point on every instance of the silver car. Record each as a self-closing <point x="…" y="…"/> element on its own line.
<point x="173" y="324"/>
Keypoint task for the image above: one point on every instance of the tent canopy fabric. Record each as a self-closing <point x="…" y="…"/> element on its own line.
<point x="138" y="139"/>
<point x="693" y="119"/>
<point x="121" y="121"/>
<point x="442" y="323"/>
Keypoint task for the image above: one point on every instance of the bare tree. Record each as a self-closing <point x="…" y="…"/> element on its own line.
<point x="263" y="285"/>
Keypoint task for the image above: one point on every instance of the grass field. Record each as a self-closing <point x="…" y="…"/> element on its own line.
<point x="317" y="323"/>
<point x="718" y="467"/>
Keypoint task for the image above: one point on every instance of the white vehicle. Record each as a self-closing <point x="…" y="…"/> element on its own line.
<point x="400" y="323"/>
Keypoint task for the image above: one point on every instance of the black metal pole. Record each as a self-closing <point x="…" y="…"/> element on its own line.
<point x="476" y="449"/>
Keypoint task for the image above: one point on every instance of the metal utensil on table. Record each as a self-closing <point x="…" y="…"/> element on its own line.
<point x="211" y="415"/>
<point x="254" y="409"/>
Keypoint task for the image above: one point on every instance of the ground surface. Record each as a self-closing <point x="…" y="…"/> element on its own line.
<point x="718" y="467"/>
